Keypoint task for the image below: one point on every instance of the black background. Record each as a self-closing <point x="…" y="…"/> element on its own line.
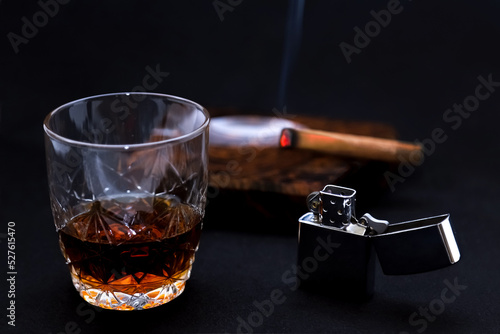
<point x="428" y="58"/>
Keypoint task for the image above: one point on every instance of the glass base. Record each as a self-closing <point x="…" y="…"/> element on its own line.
<point x="114" y="300"/>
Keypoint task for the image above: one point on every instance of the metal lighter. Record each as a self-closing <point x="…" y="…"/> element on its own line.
<point x="337" y="251"/>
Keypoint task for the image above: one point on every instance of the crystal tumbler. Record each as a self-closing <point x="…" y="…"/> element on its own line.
<point x="127" y="179"/>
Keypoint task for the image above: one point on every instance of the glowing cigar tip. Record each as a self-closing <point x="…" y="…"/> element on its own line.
<point x="286" y="138"/>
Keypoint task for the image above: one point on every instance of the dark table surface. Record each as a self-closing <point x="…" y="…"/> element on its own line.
<point x="430" y="56"/>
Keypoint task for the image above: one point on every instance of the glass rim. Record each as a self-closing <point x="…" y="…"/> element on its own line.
<point x="53" y="135"/>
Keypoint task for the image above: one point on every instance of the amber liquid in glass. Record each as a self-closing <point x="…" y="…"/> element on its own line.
<point x="130" y="255"/>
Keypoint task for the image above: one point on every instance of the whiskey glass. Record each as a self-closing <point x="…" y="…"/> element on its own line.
<point x="128" y="178"/>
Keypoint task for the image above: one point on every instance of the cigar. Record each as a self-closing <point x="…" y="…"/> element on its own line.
<point x="348" y="145"/>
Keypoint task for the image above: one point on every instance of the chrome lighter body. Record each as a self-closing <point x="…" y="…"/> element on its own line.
<point x="348" y="267"/>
